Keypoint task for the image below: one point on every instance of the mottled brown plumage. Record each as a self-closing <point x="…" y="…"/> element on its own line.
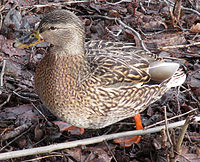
<point x="95" y="84"/>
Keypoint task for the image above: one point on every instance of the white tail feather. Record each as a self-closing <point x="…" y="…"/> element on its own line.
<point x="177" y="79"/>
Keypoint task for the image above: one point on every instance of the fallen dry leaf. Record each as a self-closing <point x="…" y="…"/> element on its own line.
<point x="99" y="153"/>
<point x="195" y="28"/>
<point x="185" y="156"/>
<point x="38" y="132"/>
<point x="21" y="113"/>
<point x="7" y="47"/>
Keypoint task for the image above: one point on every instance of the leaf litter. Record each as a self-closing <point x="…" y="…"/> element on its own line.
<point x="158" y="25"/>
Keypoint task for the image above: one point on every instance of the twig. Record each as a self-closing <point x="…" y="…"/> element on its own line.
<point x="119" y="2"/>
<point x="72" y="2"/>
<point x="191" y="10"/>
<point x="60" y="146"/>
<point x="56" y="4"/>
<point x="166" y="125"/>
<point x="175" y="14"/>
<point x="110" y="151"/>
<point x="15" y="132"/>
<point x="183" y="131"/>
<point x="174" y="117"/>
<point x="179" y="46"/>
<point x="43" y="157"/>
<point x="4" y="6"/>
<point x="135" y="32"/>
<point x="39" y="111"/>
<point x="1" y="21"/>
<point x="183" y="8"/>
<point x="26" y="98"/>
<point x="1" y="76"/>
<point x="7" y="100"/>
<point x="27" y="125"/>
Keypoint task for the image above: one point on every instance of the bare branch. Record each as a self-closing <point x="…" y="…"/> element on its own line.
<point x="179" y="46"/>
<point x="1" y="75"/>
<point x="183" y="131"/>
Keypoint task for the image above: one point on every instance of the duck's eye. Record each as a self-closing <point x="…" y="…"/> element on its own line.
<point x="32" y="35"/>
<point x="52" y="28"/>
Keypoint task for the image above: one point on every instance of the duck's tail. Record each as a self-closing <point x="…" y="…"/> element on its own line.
<point x="177" y="79"/>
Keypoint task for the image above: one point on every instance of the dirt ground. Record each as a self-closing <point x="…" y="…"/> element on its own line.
<point x="167" y="28"/>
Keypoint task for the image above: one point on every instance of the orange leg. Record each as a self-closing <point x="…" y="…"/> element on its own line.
<point x="66" y="127"/>
<point x="127" y="141"/>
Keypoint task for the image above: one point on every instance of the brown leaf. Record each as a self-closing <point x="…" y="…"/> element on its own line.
<point x="22" y="142"/>
<point x="7" y="47"/>
<point x="99" y="153"/>
<point x="21" y="113"/>
<point x="185" y="156"/>
<point x="13" y="68"/>
<point x="177" y="10"/>
<point x="76" y="153"/>
<point x="195" y="28"/>
<point x="13" y="18"/>
<point x="38" y="132"/>
<point x="154" y="25"/>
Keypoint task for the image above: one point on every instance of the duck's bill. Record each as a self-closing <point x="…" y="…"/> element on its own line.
<point x="28" y="40"/>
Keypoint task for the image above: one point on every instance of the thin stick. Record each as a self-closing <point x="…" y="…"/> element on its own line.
<point x="39" y="111"/>
<point x="135" y="32"/>
<point x="174" y="117"/>
<point x="87" y="141"/>
<point x="184" y="8"/>
<point x="110" y="151"/>
<point x="43" y="157"/>
<point x="183" y="131"/>
<point x="1" y="22"/>
<point x="1" y="75"/>
<point x="7" y="100"/>
<point x="118" y="2"/>
<point x="179" y="46"/>
<point x="16" y="137"/>
<point x="166" y="125"/>
<point x="4" y="6"/>
<point x="58" y="4"/>
<point x="26" y="98"/>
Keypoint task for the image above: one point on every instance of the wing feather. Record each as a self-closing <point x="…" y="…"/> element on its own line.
<point x="123" y="63"/>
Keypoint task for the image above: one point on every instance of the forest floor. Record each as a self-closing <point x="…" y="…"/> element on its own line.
<point x="166" y="29"/>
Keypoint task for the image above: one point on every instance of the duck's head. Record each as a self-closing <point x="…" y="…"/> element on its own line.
<point x="61" y="28"/>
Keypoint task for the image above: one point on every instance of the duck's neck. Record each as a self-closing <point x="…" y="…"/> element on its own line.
<point x="73" y="46"/>
<point x="70" y="51"/>
<point x="75" y="60"/>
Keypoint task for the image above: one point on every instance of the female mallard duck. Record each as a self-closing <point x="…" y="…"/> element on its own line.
<point x="98" y="83"/>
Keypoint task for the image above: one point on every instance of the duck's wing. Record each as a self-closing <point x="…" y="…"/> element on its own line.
<point x="99" y="45"/>
<point x="108" y="45"/>
<point x="115" y="62"/>
<point x="110" y="65"/>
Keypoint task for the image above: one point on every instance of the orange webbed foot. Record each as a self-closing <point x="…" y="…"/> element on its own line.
<point x="128" y="141"/>
<point x="65" y="127"/>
